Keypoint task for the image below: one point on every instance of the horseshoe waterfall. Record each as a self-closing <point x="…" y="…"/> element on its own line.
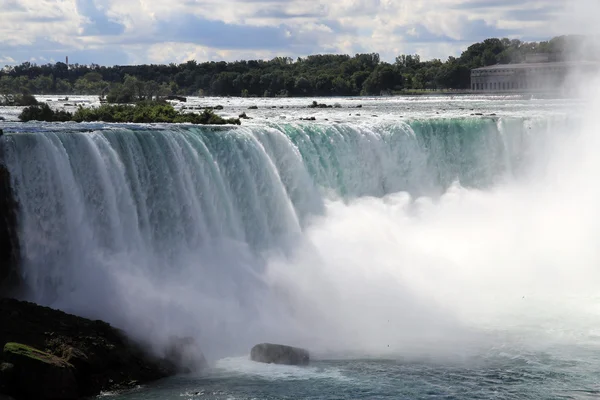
<point x="431" y="238"/>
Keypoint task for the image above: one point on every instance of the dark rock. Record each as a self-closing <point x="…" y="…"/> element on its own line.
<point x="253" y="108"/>
<point x="279" y="354"/>
<point x="308" y="119"/>
<point x="178" y="98"/>
<point x="319" y="105"/>
<point x="359" y="106"/>
<point x="10" y="279"/>
<point x="101" y="358"/>
<point x="244" y="116"/>
<point x="6" y="376"/>
<point x="38" y="375"/>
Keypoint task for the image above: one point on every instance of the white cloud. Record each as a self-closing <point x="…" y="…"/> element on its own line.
<point x="6" y="60"/>
<point x="139" y="31"/>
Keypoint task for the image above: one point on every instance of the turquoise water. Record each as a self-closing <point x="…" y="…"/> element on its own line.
<point x="418" y="251"/>
<point x="496" y="375"/>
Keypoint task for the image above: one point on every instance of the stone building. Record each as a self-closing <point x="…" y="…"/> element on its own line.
<point x="526" y="77"/>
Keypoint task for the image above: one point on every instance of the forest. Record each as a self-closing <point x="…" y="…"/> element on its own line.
<point x="314" y="75"/>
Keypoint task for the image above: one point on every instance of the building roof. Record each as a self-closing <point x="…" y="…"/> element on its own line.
<point x="537" y="65"/>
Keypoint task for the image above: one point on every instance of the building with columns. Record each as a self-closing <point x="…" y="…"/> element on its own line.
<point x="526" y="77"/>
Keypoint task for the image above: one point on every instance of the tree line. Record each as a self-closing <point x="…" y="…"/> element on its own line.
<point x="315" y="75"/>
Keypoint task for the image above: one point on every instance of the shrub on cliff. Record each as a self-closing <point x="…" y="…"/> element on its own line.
<point x="207" y="117"/>
<point x="43" y="112"/>
<point x="26" y="99"/>
<point x="142" y="112"/>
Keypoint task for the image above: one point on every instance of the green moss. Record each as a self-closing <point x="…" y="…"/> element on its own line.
<point x="18" y="349"/>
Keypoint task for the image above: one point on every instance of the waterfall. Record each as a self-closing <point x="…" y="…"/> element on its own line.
<point x="174" y="229"/>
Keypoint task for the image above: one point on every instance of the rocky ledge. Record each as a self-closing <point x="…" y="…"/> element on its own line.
<point x="50" y="355"/>
<point x="279" y="354"/>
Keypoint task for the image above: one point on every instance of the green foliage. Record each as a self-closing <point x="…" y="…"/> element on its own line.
<point x="148" y="112"/>
<point x="25" y="100"/>
<point x="43" y="112"/>
<point x="141" y="112"/>
<point x="315" y="75"/>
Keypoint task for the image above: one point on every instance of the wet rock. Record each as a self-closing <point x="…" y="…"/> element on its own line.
<point x="6" y="376"/>
<point x="253" y="108"/>
<point x="244" y="116"/>
<point x="279" y="354"/>
<point x="98" y="356"/>
<point x="177" y="98"/>
<point x="10" y="279"/>
<point x="38" y="375"/>
<point x="319" y="105"/>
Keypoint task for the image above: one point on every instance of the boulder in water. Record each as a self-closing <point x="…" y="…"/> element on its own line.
<point x="279" y="354"/>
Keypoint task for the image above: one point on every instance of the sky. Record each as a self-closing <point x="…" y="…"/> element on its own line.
<point x="109" y="32"/>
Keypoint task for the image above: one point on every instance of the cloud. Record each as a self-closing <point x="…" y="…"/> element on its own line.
<point x="98" y="21"/>
<point x="6" y="60"/>
<point x="221" y="35"/>
<point x="141" y="31"/>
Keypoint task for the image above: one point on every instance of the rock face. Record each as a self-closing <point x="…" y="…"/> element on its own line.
<point x="9" y="243"/>
<point x="84" y="357"/>
<point x="35" y="374"/>
<point x="279" y="354"/>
